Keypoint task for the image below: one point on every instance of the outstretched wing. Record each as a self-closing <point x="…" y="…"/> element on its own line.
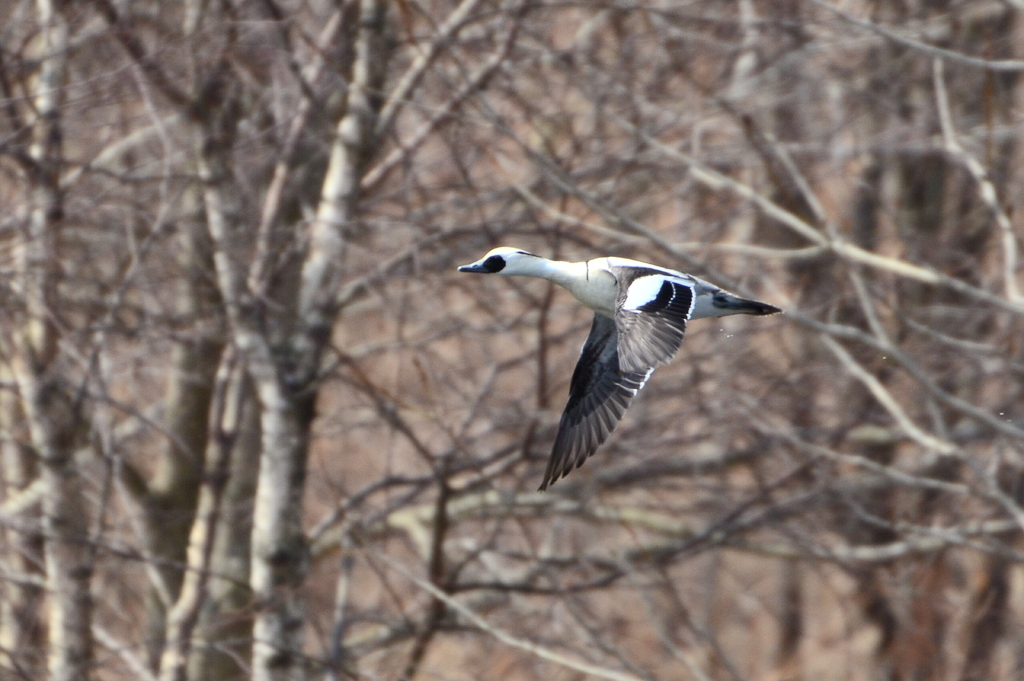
<point x="599" y="394"/>
<point x="651" y="314"/>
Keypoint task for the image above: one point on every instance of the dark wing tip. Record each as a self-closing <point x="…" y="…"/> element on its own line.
<point x="599" y="393"/>
<point x="563" y="457"/>
<point x="588" y="421"/>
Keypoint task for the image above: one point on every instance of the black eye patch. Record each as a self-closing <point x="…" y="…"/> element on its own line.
<point x="495" y="263"/>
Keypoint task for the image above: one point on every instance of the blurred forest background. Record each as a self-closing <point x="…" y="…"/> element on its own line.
<point x="256" y="426"/>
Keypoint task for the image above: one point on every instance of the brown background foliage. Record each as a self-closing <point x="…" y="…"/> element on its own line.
<point x="246" y="396"/>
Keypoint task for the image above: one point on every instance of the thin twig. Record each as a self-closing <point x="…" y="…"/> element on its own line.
<point x="506" y="638"/>
<point x="412" y="76"/>
<point x="1004" y="65"/>
<point x="22" y="501"/>
<point x="719" y="181"/>
<point x="124" y="651"/>
<point x="986" y="188"/>
<point x="886" y="399"/>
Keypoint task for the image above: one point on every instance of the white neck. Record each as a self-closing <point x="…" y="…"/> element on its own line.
<point x="592" y="286"/>
<point x="558" y="271"/>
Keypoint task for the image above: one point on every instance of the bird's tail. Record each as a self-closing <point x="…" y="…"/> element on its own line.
<point x="736" y="305"/>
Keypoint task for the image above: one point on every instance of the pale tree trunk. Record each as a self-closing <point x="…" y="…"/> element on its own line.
<point x="52" y="413"/>
<point x="992" y="602"/>
<point x="169" y="498"/>
<point x="21" y="627"/>
<point x="182" y="619"/>
<point x="225" y="625"/>
<point x="287" y="397"/>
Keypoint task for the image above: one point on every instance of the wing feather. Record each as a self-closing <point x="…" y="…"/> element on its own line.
<point x="651" y="313"/>
<point x="651" y="325"/>
<point x="599" y="394"/>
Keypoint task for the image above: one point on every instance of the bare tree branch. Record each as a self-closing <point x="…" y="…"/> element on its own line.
<point x="1001" y="65"/>
<point x="507" y="639"/>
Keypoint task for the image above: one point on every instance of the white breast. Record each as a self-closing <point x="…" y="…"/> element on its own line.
<point x="595" y="287"/>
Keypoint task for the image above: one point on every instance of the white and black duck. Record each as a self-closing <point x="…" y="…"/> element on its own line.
<point x="641" y="314"/>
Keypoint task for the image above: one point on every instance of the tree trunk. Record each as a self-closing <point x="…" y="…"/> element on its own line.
<point x="287" y="397"/>
<point x="52" y="414"/>
<point x="183" y="617"/>
<point x="225" y="625"/>
<point x="169" y="502"/>
<point x="21" y="628"/>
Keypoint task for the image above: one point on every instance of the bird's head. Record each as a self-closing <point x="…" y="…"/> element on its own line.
<point x="505" y="260"/>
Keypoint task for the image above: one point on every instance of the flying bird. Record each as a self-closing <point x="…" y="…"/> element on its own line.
<point x="640" y="316"/>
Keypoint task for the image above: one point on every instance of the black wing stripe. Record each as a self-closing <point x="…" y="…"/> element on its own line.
<point x="673" y="300"/>
<point x="651" y="334"/>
